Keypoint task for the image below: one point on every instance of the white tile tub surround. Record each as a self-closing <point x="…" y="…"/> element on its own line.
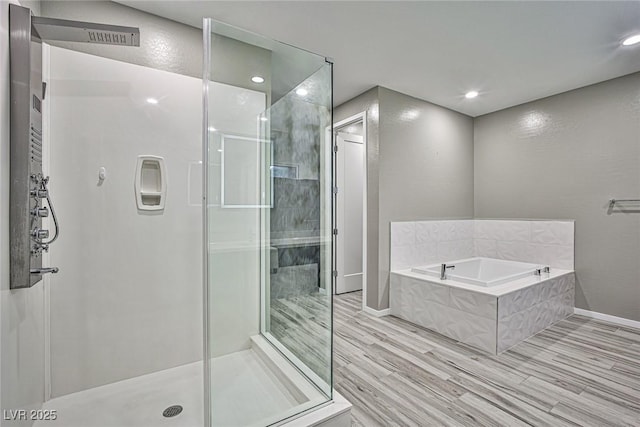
<point x="435" y="307"/>
<point x="490" y="319"/>
<point x="534" y="241"/>
<point x="427" y="242"/>
<point x="527" y="311"/>
<point x="539" y="242"/>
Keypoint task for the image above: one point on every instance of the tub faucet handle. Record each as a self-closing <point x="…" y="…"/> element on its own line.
<point x="547" y="269"/>
<point x="46" y="270"/>
<point x="443" y="270"/>
<point x="537" y="272"/>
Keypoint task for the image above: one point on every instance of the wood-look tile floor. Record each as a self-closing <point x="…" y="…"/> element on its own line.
<point x="578" y="372"/>
<point x="303" y="323"/>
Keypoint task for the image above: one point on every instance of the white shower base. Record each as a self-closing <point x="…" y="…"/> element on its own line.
<point x="245" y="392"/>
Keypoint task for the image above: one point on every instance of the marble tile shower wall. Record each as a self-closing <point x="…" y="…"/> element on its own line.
<point x="296" y="208"/>
<point x="428" y="242"/>
<point x="295" y="213"/>
<point x="297" y="127"/>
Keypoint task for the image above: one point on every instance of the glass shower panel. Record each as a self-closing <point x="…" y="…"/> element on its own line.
<point x="298" y="283"/>
<point x="268" y="219"/>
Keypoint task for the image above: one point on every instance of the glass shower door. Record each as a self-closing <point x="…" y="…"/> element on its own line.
<point x="267" y="151"/>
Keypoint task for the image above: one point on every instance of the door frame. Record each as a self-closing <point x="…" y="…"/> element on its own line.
<point x="337" y="127"/>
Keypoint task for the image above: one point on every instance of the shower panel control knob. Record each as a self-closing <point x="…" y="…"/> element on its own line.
<point x="40" y="212"/>
<point x="40" y="234"/>
<point x="40" y="194"/>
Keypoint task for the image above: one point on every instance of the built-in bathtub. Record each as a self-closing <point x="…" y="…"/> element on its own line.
<point x="499" y="292"/>
<point x="490" y="304"/>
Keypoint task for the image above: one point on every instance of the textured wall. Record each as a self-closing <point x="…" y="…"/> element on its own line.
<point x="425" y="168"/>
<point x="564" y="157"/>
<point x="368" y="102"/>
<point x="165" y="44"/>
<point x="419" y="166"/>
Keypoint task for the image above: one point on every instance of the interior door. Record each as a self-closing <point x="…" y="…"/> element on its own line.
<point x="349" y="212"/>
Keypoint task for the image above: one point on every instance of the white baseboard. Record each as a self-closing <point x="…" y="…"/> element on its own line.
<point x="376" y="313"/>
<point x="607" y="317"/>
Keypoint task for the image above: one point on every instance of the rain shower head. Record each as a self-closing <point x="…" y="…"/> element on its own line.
<point x="85" y="32"/>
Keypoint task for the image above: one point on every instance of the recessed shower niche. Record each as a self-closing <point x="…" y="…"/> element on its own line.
<point x="151" y="183"/>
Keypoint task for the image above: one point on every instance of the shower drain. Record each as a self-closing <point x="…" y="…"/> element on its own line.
<point x="172" y="411"/>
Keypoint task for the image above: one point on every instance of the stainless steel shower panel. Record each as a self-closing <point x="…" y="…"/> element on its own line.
<point x="85" y="32"/>
<point x="25" y="212"/>
<point x="28" y="184"/>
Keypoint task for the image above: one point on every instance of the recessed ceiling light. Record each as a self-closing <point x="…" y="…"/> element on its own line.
<point x="302" y="92"/>
<point x="471" y="94"/>
<point x="257" y="79"/>
<point x="631" y="40"/>
<point x="152" y="101"/>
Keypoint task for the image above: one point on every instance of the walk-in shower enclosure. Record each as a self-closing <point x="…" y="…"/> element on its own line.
<point x="195" y="252"/>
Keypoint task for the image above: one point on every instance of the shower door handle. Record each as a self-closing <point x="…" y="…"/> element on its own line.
<point x="53" y="270"/>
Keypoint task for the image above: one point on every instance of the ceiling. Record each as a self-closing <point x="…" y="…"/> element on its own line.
<point x="511" y="52"/>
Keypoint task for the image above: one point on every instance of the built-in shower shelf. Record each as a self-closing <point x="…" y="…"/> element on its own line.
<point x="151" y="183"/>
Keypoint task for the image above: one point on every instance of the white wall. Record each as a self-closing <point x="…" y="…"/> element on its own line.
<point x="21" y="311"/>
<point x="234" y="233"/>
<point x="128" y="298"/>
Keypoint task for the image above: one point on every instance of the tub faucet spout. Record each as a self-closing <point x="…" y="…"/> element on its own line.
<point x="443" y="270"/>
